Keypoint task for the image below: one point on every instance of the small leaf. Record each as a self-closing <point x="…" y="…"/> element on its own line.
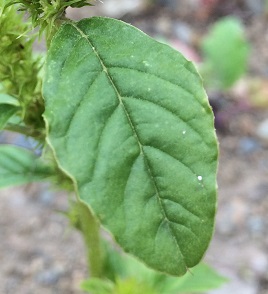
<point x="97" y="286"/>
<point x="20" y="166"/>
<point x="226" y="52"/>
<point x="202" y="278"/>
<point x="7" y="99"/>
<point x="8" y="107"/>
<point x="132" y="286"/>
<point x="123" y="266"/>
<point x="129" y="122"/>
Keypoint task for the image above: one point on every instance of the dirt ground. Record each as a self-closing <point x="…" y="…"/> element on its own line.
<point x="41" y="254"/>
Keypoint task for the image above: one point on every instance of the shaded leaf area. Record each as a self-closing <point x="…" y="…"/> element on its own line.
<point x="20" y="166"/>
<point x="129" y="121"/>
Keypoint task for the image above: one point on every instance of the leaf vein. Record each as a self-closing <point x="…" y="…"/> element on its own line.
<point x="101" y="136"/>
<point x="171" y="112"/>
<point x="187" y="228"/>
<point x="70" y="121"/>
<point x="159" y="77"/>
<point x="135" y="133"/>
<point x="187" y="209"/>
<point x="178" y="160"/>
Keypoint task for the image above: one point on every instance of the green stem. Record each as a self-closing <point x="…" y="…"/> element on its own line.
<point x="53" y="30"/>
<point x="90" y="228"/>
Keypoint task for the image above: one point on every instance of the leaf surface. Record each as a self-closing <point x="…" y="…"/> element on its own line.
<point x="130" y="123"/>
<point x="8" y="107"/>
<point x="20" y="166"/>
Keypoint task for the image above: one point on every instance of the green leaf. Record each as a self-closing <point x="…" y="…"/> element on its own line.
<point x="202" y="278"/>
<point x="20" y="166"/>
<point x="129" y="122"/>
<point x="7" y="99"/>
<point x="132" y="286"/>
<point x="97" y="286"/>
<point x="121" y="286"/>
<point x="8" y="107"/>
<point x="226" y="52"/>
<point x="121" y="266"/>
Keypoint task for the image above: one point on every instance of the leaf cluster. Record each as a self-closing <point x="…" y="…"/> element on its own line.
<point x="125" y="275"/>
<point x="128" y="121"/>
<point x="44" y="13"/>
<point x="19" y="68"/>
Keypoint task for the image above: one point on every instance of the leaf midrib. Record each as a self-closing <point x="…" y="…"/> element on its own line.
<point x="149" y="169"/>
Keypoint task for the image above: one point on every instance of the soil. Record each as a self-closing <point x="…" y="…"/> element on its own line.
<point x="40" y="253"/>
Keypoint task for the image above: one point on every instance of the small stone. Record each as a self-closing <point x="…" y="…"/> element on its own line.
<point x="50" y="276"/>
<point x="262" y="130"/>
<point x="183" y="32"/>
<point x="248" y="145"/>
<point x="46" y="197"/>
<point x="117" y="8"/>
<point x="256" y="224"/>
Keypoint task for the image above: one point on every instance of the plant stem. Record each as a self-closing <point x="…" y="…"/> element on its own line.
<point x="90" y="228"/>
<point x="56" y="25"/>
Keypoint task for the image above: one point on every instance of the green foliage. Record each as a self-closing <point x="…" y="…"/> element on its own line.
<point x="129" y="123"/>
<point x="125" y="271"/>
<point x="226" y="52"/>
<point x="98" y="286"/>
<point x="19" y="69"/>
<point x="20" y="166"/>
<point x="45" y="13"/>
<point x="129" y="129"/>
<point x="127" y="286"/>
<point x="8" y="107"/>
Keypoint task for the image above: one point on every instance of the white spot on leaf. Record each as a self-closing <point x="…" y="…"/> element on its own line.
<point x="145" y="63"/>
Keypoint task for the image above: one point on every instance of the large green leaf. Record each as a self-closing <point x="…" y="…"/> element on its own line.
<point x="129" y="121"/>
<point x="8" y="107"/>
<point x="20" y="166"/>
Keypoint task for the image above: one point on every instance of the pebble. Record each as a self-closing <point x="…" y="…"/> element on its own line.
<point x="183" y="32"/>
<point x="117" y="8"/>
<point x="46" y="197"/>
<point x="248" y="145"/>
<point x="236" y="287"/>
<point x="262" y="130"/>
<point x="259" y="263"/>
<point x="256" y="225"/>
<point x="50" y="276"/>
<point x="256" y="6"/>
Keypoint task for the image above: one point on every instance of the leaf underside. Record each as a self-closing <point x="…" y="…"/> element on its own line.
<point x="20" y="166"/>
<point x="129" y="121"/>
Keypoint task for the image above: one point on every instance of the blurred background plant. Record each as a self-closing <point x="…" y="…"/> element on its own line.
<point x="226" y="52"/>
